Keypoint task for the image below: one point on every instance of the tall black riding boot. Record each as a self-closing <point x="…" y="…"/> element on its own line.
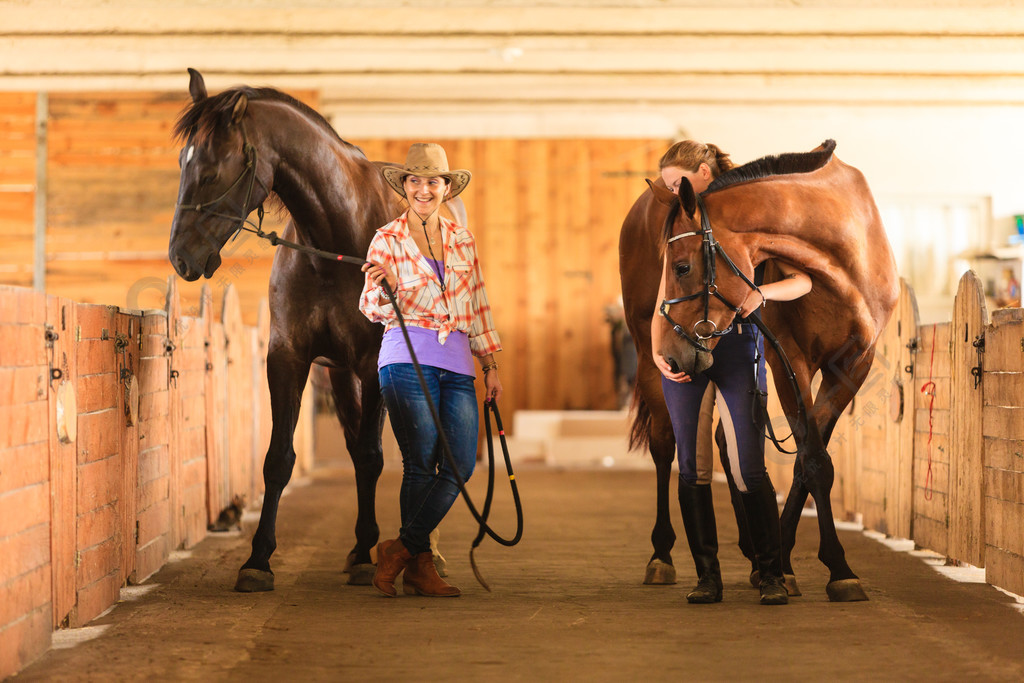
<point x="701" y="534"/>
<point x="762" y="512"/>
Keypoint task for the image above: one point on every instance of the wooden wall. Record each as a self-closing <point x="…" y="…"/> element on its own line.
<point x="111" y="186"/>
<point x="111" y="454"/>
<point x="547" y="216"/>
<point x="17" y="186"/>
<point x="1003" y="429"/>
<point x="546" y="213"/>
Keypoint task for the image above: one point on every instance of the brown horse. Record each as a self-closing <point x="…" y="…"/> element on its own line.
<point x="241" y="145"/>
<point x="813" y="212"/>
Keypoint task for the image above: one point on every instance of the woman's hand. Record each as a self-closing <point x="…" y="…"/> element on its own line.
<point x="378" y="273"/>
<point x="492" y="385"/>
<point x="666" y="370"/>
<point x="754" y="300"/>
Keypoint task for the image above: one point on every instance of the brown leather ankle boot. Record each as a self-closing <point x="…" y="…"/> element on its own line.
<point x="421" y="578"/>
<point x="391" y="560"/>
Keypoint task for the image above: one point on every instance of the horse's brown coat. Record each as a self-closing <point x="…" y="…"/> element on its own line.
<point x="822" y="221"/>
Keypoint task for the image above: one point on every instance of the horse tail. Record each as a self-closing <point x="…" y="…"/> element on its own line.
<point x="640" y="431"/>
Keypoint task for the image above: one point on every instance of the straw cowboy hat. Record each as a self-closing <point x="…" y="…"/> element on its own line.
<point x="426" y="160"/>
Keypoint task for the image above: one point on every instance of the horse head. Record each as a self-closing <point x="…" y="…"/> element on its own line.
<point x="222" y="178"/>
<point x="700" y="304"/>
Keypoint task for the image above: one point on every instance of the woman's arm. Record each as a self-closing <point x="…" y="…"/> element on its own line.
<point x="658" y="329"/>
<point x="793" y="285"/>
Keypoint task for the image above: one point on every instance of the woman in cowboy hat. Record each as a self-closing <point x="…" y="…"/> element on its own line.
<point x="431" y="265"/>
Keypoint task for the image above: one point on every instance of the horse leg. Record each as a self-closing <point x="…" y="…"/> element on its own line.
<point x="287" y="375"/>
<point x="359" y="408"/>
<point x="834" y="395"/>
<point x="789" y="519"/>
<point x="660" y="570"/>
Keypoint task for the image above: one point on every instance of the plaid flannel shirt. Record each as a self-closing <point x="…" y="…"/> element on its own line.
<point x="462" y="306"/>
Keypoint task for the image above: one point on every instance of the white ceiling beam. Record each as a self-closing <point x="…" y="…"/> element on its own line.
<point x="46" y="56"/>
<point x="849" y="18"/>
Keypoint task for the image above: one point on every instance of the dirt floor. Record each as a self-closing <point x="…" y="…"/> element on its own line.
<point x="568" y="604"/>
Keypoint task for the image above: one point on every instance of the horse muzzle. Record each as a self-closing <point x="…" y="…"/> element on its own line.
<point x="189" y="268"/>
<point x="689" y="359"/>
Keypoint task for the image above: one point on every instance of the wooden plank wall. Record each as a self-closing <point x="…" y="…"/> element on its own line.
<point x="931" y="481"/>
<point x="17" y="187"/>
<point x="966" y="507"/>
<point x="25" y="515"/>
<point x="546" y="212"/>
<point x="153" y="535"/>
<point x="547" y="216"/>
<point x="97" y="495"/>
<point x="1003" y="428"/>
<point x="112" y="181"/>
<point x="99" y="463"/>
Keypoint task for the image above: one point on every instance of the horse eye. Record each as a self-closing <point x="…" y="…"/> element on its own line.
<point x="682" y="269"/>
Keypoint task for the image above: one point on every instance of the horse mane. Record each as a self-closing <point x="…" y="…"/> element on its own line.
<point x="778" y="164"/>
<point x="201" y="119"/>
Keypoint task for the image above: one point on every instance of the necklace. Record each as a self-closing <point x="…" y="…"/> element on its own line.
<point x="440" y="273"/>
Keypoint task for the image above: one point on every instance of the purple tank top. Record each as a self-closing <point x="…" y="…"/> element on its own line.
<point x="454" y="355"/>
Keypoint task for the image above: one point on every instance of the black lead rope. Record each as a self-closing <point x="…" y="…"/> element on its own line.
<point x="252" y="159"/>
<point x="481" y="519"/>
<point x="489" y="406"/>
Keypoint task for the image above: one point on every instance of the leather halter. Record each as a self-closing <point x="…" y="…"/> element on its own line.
<point x="251" y="163"/>
<point x="711" y="249"/>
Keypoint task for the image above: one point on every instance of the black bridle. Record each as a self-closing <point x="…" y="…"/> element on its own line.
<point x="711" y="249"/>
<point x="243" y="223"/>
<point x="241" y="219"/>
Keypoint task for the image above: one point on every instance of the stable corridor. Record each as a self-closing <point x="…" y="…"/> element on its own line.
<point x="567" y="604"/>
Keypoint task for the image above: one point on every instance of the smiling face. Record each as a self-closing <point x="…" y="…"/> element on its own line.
<point x="425" y="195"/>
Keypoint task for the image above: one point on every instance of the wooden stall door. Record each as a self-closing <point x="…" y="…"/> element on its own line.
<point x="967" y="471"/>
<point x="99" y="464"/>
<point x="239" y="415"/>
<point x="153" y="542"/>
<point x="176" y="356"/>
<point x="128" y="349"/>
<point x="189" y="510"/>
<point x="931" y="395"/>
<point x="1003" y="422"/>
<point x="62" y="320"/>
<point x="218" y="464"/>
<point x="883" y="423"/>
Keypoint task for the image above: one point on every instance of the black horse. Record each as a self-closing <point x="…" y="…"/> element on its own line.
<point x="241" y="145"/>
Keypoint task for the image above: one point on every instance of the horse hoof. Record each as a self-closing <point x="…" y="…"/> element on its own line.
<point x="350" y="562"/>
<point x="254" y="581"/>
<point x="789" y="581"/>
<point x="755" y="579"/>
<point x="361" y="574"/>
<point x="845" y="590"/>
<point x="659" y="574"/>
<point x="441" y="565"/>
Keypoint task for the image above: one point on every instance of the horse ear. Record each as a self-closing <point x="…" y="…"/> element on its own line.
<point x="687" y="198"/>
<point x="239" y="110"/>
<point x="196" y="85"/>
<point x="661" y="193"/>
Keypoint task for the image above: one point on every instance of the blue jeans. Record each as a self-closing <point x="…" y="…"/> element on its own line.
<point x="736" y="384"/>
<point x="429" y="487"/>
